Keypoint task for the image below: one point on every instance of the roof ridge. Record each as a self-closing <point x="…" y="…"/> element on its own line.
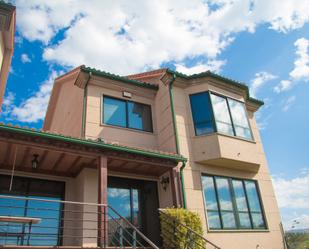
<point x="147" y="73"/>
<point x="118" y="77"/>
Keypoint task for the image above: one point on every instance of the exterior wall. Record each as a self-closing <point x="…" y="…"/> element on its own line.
<point x="271" y="238"/>
<point x="67" y="115"/>
<point x="1" y="49"/>
<point x="95" y="128"/>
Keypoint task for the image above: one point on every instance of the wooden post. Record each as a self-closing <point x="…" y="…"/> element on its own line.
<point x="175" y="187"/>
<point x="102" y="199"/>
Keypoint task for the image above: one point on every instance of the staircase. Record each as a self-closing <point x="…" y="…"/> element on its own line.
<point x="193" y="240"/>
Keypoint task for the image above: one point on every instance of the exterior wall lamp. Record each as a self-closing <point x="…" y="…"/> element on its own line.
<point x="35" y="161"/>
<point x="165" y="181"/>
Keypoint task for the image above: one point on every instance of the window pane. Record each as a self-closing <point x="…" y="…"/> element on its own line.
<point x="213" y="220"/>
<point x="240" y="197"/>
<point x="139" y="116"/>
<point x="240" y="119"/>
<point x="209" y="193"/>
<point x="258" y="221"/>
<point x="253" y="198"/>
<point x="224" y="194"/>
<point x="228" y="220"/>
<point x="114" y="112"/>
<point x="244" y="220"/>
<point x="222" y="115"/>
<point x="202" y="113"/>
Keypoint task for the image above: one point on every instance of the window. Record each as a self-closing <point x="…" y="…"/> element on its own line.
<point x="202" y="113"/>
<point x="127" y="114"/>
<point x="215" y="113"/>
<point x="232" y="203"/>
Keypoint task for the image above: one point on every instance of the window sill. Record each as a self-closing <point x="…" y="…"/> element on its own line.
<point x="238" y="231"/>
<point x="225" y="135"/>
<point x="127" y="129"/>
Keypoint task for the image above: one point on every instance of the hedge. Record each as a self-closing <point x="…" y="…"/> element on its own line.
<point x="174" y="235"/>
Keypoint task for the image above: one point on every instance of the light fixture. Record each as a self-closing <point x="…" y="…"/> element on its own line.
<point x="35" y="161"/>
<point x="165" y="182"/>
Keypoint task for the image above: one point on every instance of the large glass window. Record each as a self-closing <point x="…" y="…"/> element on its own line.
<point x="232" y="203"/>
<point x="212" y="112"/>
<point x="127" y="114"/>
<point x="202" y="113"/>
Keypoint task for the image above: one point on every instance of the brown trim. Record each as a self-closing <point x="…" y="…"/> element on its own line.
<point x="58" y="162"/>
<point x="102" y="199"/>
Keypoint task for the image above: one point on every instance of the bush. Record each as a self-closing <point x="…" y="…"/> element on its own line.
<point x="174" y="235"/>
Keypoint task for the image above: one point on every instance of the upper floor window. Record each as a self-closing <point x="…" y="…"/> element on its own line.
<point x="127" y="114"/>
<point x="212" y="112"/>
<point x="232" y="203"/>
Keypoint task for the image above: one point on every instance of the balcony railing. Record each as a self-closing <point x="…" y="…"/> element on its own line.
<point x="48" y="222"/>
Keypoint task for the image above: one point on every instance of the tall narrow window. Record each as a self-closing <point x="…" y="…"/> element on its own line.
<point x="202" y="113"/>
<point x="222" y="115"/>
<point x="240" y="120"/>
<point x="127" y="114"/>
<point x="232" y="203"/>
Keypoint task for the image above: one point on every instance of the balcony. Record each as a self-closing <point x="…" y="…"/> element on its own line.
<point x="225" y="151"/>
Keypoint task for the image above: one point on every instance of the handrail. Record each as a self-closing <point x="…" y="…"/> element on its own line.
<point x="57" y="201"/>
<point x="161" y="211"/>
<point x="135" y="229"/>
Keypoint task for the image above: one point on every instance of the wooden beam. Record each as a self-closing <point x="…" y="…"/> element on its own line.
<point x="75" y="163"/>
<point x="7" y="155"/>
<point x="58" y="162"/>
<point x="43" y="157"/>
<point x="25" y="157"/>
<point x="102" y="199"/>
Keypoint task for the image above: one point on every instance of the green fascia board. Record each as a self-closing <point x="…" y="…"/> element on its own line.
<point x="118" y="78"/>
<point x="219" y="77"/>
<point x="90" y="143"/>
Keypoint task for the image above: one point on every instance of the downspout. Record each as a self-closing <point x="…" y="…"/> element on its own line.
<point x="176" y="140"/>
<point x="83" y="133"/>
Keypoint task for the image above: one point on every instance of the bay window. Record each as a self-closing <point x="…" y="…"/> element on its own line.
<point x="215" y="113"/>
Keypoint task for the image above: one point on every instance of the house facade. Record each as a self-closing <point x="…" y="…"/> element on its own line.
<point x="206" y="118"/>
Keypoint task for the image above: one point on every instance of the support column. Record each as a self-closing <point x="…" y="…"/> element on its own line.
<point x="174" y="174"/>
<point x="102" y="199"/>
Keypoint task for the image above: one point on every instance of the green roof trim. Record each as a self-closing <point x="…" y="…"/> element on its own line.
<point x="219" y="77"/>
<point x="90" y="143"/>
<point x="119" y="78"/>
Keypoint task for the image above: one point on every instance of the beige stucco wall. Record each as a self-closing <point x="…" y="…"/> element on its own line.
<point x="269" y="239"/>
<point x="1" y="49"/>
<point x="67" y="116"/>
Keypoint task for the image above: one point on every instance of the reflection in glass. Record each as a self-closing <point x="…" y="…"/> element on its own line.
<point x="240" y="119"/>
<point x="114" y="112"/>
<point x="222" y="115"/>
<point x="213" y="220"/>
<point x="253" y="197"/>
<point x="258" y="221"/>
<point x="139" y="116"/>
<point x="202" y="113"/>
<point x="209" y="192"/>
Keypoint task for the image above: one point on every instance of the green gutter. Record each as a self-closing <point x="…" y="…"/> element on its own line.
<point x="219" y="77"/>
<point x="90" y="143"/>
<point x="83" y="135"/>
<point x="171" y="92"/>
<point x="119" y="78"/>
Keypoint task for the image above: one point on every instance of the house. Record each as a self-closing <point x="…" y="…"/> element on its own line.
<point x="114" y="149"/>
<point x="7" y="31"/>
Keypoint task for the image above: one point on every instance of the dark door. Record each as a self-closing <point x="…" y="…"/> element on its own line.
<point x="136" y="200"/>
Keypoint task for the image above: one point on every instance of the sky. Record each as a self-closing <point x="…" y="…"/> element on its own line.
<point x="263" y="43"/>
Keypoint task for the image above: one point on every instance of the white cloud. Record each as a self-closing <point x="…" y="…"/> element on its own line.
<point x="126" y="37"/>
<point x="283" y="86"/>
<point x="212" y="65"/>
<point x="288" y="103"/>
<point x="260" y="79"/>
<point x="33" y="109"/>
<point x="301" y="64"/>
<point x="292" y="193"/>
<point x="25" y="58"/>
<point x="7" y="103"/>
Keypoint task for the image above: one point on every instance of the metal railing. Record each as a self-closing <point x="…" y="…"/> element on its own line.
<point x="176" y="231"/>
<point x="50" y="222"/>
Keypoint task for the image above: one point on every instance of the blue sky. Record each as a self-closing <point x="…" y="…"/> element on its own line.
<point x="262" y="43"/>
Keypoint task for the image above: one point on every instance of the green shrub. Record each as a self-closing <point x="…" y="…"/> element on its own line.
<point x="174" y="235"/>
